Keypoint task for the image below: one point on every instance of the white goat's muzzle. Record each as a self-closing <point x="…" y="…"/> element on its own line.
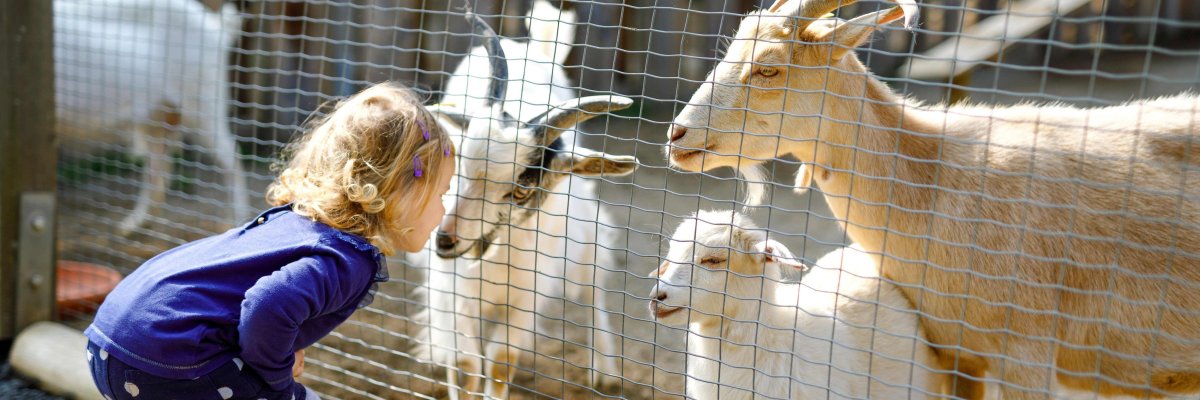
<point x="659" y="296"/>
<point x="449" y="243"/>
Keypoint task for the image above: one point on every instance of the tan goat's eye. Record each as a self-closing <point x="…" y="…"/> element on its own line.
<point x="768" y="72"/>
<point x="712" y="260"/>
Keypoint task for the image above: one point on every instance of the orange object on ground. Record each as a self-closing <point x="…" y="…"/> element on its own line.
<point x="82" y="287"/>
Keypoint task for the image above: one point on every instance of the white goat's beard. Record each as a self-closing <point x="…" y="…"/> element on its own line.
<point x="755" y="176"/>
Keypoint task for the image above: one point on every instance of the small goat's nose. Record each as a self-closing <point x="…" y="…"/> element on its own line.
<point x="445" y="241"/>
<point x="661" y="296"/>
<point x="677" y="132"/>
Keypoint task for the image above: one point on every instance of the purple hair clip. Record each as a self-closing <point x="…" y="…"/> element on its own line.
<point x="417" y="159"/>
<point x="424" y="130"/>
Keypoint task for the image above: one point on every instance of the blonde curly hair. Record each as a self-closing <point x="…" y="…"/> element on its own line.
<point x="368" y="165"/>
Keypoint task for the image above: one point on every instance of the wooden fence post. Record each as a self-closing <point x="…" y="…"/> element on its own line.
<point x="27" y="163"/>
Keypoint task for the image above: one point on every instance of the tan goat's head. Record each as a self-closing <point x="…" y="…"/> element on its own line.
<point x="775" y="78"/>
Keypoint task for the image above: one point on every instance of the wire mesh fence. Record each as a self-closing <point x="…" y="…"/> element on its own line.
<point x="172" y="113"/>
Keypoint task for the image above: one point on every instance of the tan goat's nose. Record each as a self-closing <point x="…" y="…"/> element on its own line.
<point x="677" y="132"/>
<point x="661" y="296"/>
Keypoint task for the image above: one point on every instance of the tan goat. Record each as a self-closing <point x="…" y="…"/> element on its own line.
<point x="1038" y="241"/>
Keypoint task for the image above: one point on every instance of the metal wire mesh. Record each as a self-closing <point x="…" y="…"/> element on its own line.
<point x="137" y="114"/>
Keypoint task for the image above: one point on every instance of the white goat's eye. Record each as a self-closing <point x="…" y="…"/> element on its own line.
<point x="767" y="72"/>
<point x="712" y="260"/>
<point x="521" y="193"/>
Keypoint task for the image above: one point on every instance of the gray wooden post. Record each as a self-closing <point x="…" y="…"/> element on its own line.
<point x="27" y="164"/>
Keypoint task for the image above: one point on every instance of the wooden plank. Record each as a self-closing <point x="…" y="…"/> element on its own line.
<point x="27" y="151"/>
<point x="8" y="172"/>
<point x="986" y="39"/>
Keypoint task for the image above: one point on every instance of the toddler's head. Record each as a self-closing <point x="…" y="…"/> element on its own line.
<point x="376" y="166"/>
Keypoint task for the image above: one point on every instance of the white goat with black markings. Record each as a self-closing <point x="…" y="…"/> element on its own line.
<point x="1044" y="245"/>
<point x="150" y="72"/>
<point x="841" y="333"/>
<point x="530" y="224"/>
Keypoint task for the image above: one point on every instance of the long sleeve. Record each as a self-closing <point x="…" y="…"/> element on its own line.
<point x="273" y="311"/>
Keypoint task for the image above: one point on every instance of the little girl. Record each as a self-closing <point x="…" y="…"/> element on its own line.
<point x="227" y="317"/>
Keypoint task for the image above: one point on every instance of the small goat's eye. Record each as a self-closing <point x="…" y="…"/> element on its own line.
<point x="767" y="72"/>
<point x="712" y="260"/>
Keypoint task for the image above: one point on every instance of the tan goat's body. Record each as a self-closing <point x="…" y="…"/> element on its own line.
<point x="1058" y="236"/>
<point x="1039" y="242"/>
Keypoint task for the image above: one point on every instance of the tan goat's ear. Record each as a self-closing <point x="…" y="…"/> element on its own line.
<point x="776" y="255"/>
<point x="853" y="33"/>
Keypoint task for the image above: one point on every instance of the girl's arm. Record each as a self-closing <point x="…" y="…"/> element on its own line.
<point x="273" y="311"/>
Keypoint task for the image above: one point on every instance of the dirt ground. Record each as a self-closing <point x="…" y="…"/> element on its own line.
<point x="376" y="355"/>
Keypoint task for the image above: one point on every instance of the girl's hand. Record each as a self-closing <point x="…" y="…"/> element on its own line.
<point x="298" y="368"/>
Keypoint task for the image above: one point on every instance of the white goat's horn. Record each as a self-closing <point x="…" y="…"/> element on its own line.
<point x="550" y="125"/>
<point x="498" y="86"/>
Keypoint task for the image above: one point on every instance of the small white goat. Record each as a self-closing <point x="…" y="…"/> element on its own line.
<point x="1042" y="244"/>
<point x="841" y="333"/>
<point x="524" y="211"/>
<point x="150" y="72"/>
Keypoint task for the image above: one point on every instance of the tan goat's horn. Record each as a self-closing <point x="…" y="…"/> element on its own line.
<point x="813" y="9"/>
<point x="775" y="7"/>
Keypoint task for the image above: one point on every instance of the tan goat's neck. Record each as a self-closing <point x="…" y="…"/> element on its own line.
<point x="872" y="150"/>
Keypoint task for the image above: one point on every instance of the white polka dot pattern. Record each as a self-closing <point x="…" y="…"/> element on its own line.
<point x="225" y="392"/>
<point x="129" y="386"/>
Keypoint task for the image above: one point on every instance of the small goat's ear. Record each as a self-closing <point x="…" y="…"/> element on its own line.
<point x="853" y="33"/>
<point x="777" y="255"/>
<point x="593" y="163"/>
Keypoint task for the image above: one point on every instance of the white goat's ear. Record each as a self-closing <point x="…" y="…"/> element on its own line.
<point x="450" y="114"/>
<point x="593" y="163"/>
<point x="853" y="33"/>
<point x="777" y="255"/>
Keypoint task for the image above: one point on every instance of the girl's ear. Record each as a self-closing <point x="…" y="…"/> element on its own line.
<point x="776" y="255"/>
